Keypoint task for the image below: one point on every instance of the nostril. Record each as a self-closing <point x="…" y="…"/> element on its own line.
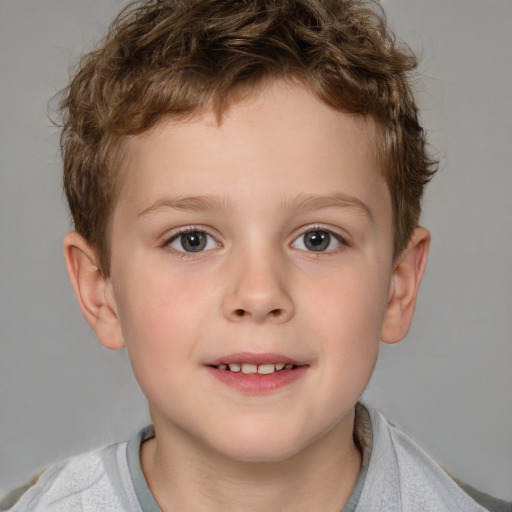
<point x="241" y="314"/>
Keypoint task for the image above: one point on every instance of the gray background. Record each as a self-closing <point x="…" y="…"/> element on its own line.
<point x="449" y="383"/>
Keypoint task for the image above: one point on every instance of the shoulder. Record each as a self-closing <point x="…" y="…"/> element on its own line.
<point x="487" y="501"/>
<point x="98" y="480"/>
<point x="407" y="476"/>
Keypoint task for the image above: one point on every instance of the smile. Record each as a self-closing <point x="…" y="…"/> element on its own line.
<point x="250" y="368"/>
<point x="257" y="373"/>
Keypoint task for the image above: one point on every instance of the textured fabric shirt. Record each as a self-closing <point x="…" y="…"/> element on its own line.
<point x="396" y="476"/>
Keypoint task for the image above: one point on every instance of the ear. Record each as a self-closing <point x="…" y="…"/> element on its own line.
<point x="404" y="287"/>
<point x="93" y="290"/>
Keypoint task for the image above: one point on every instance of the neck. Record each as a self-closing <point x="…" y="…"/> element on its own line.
<point x="184" y="476"/>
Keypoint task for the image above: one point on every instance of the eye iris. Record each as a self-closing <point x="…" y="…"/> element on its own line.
<point x="194" y="241"/>
<point x="317" y="240"/>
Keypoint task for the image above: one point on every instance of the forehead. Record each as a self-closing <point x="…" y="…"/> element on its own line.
<point x="280" y="140"/>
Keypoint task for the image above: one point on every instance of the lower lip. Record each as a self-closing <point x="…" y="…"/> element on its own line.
<point x="256" y="383"/>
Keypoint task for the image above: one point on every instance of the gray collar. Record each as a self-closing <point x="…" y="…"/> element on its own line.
<point x="362" y="437"/>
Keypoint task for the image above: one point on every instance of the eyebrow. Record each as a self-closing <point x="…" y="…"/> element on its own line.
<point x="188" y="203"/>
<point x="307" y="202"/>
<point x="313" y="202"/>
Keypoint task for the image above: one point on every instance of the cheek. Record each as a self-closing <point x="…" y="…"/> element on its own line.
<point x="349" y="314"/>
<point x="351" y="300"/>
<point x="159" y="320"/>
<point x="153" y="304"/>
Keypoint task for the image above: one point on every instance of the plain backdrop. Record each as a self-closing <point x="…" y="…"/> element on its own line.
<point x="449" y="384"/>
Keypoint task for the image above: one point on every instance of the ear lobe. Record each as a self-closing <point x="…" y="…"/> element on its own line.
<point x="93" y="290"/>
<point x="405" y="283"/>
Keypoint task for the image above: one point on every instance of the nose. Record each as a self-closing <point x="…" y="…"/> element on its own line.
<point x="258" y="291"/>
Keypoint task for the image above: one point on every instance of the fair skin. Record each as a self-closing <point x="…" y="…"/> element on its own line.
<point x="262" y="240"/>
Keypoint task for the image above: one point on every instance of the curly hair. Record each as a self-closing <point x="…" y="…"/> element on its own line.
<point x="178" y="58"/>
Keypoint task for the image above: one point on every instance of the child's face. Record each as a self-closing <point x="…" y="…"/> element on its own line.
<point x="265" y="239"/>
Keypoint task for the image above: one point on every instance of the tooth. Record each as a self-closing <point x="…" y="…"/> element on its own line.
<point x="249" y="368"/>
<point x="279" y="366"/>
<point x="265" y="369"/>
<point x="222" y="367"/>
<point x="289" y="366"/>
<point x="234" y="367"/>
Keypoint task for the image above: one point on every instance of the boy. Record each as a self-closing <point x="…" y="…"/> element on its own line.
<point x="245" y="180"/>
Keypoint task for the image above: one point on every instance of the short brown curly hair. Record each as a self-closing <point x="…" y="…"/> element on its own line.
<point x="179" y="58"/>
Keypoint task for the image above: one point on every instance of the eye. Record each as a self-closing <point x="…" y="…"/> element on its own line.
<point x="193" y="241"/>
<point x="318" y="240"/>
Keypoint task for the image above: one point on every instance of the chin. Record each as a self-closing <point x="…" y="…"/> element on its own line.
<point x="263" y="445"/>
<point x="261" y="455"/>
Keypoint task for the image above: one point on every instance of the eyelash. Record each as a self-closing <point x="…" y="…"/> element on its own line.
<point x="310" y="230"/>
<point x="332" y="236"/>
<point x="189" y="230"/>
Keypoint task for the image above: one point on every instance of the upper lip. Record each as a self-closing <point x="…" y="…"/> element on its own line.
<point x="254" y="358"/>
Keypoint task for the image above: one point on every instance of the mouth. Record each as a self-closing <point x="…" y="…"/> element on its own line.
<point x="257" y="373"/>
<point x="251" y="368"/>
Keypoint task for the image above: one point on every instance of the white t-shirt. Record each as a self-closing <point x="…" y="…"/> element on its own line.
<point x="396" y="476"/>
